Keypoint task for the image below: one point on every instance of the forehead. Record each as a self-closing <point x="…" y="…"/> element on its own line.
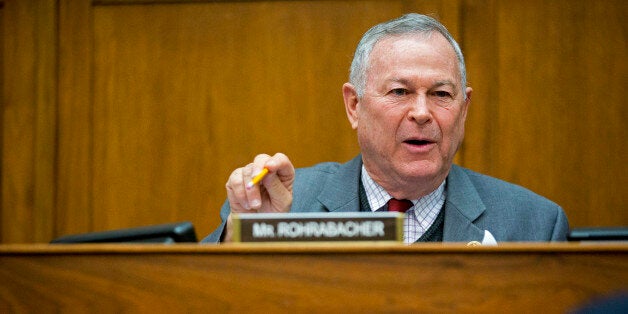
<point x="414" y="52"/>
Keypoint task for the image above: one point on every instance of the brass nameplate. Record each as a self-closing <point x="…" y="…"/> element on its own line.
<point x="318" y="227"/>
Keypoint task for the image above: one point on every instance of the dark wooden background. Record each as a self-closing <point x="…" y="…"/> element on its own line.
<point x="127" y="113"/>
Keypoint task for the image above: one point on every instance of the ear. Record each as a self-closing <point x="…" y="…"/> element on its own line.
<point x="351" y="103"/>
<point x="467" y="102"/>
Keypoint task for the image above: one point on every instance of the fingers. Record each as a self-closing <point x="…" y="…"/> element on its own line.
<point x="282" y="167"/>
<point x="278" y="183"/>
<point x="241" y="198"/>
<point x="272" y="194"/>
<point x="279" y="194"/>
<point x="236" y="193"/>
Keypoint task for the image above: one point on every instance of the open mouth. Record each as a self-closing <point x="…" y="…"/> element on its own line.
<point x="418" y="142"/>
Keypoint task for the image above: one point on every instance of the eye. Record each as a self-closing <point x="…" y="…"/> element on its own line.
<point x="442" y="94"/>
<point x="399" y="92"/>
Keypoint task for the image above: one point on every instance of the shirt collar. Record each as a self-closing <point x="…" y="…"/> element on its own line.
<point x="378" y="197"/>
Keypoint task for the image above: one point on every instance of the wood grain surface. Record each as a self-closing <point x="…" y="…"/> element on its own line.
<point x="303" y="278"/>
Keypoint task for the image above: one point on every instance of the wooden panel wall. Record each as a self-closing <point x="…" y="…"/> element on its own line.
<point x="28" y="121"/>
<point x="127" y="113"/>
<point x="549" y="111"/>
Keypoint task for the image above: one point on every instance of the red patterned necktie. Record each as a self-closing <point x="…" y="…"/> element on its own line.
<point x="395" y="205"/>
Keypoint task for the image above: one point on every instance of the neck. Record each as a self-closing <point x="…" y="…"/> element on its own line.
<point x="408" y="188"/>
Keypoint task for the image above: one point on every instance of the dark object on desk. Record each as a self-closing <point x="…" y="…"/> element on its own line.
<point x="612" y="304"/>
<point x="166" y="233"/>
<point x="598" y="234"/>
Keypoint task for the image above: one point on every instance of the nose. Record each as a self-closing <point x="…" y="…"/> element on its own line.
<point x="419" y="110"/>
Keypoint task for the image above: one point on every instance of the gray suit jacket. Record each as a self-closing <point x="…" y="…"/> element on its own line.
<point x="474" y="203"/>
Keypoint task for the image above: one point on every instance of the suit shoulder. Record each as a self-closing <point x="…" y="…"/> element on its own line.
<point x="313" y="177"/>
<point x="318" y="169"/>
<point x="515" y="213"/>
<point x="492" y="188"/>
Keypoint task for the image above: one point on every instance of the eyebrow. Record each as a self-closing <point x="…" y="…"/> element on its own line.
<point x="398" y="80"/>
<point x="445" y="82"/>
<point x="436" y="84"/>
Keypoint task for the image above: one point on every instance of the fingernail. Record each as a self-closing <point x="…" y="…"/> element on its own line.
<point x="255" y="203"/>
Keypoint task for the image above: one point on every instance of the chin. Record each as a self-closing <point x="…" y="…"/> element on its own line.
<point x="422" y="169"/>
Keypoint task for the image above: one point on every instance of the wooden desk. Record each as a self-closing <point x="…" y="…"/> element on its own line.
<point x="307" y="278"/>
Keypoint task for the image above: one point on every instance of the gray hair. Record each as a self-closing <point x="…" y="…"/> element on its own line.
<point x="407" y="24"/>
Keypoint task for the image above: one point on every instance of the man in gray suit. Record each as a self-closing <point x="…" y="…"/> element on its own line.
<point x="407" y="99"/>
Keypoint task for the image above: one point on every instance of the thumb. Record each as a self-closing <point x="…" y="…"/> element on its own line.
<point x="279" y="192"/>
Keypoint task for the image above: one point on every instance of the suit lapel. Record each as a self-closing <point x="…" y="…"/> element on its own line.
<point x="340" y="193"/>
<point x="462" y="207"/>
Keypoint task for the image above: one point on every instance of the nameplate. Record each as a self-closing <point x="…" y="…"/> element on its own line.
<point x="318" y="227"/>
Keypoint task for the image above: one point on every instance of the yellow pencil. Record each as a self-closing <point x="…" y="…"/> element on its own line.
<point x="257" y="178"/>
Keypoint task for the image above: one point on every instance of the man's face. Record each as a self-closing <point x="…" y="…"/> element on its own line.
<point x="410" y="121"/>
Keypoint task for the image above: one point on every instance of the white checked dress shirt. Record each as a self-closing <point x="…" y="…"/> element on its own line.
<point x="418" y="218"/>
